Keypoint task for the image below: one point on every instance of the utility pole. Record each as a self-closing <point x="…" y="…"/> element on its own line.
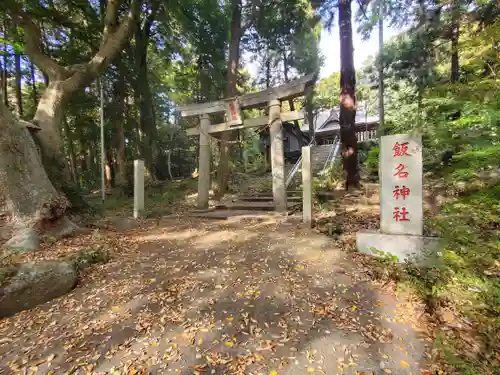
<point x="381" y="113"/>
<point x="103" y="153"/>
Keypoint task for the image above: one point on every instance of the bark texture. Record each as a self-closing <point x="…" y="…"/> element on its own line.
<point x="119" y="93"/>
<point x="232" y="70"/>
<point x="347" y="98"/>
<point x="30" y="196"/>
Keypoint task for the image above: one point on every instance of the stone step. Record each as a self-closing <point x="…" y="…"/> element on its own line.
<point x="289" y="192"/>
<point x="257" y="206"/>
<point x="222" y="214"/>
<point x="268" y="198"/>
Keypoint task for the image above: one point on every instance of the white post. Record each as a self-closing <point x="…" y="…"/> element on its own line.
<point x="138" y="187"/>
<point x="103" y="151"/>
<point x="245" y="160"/>
<point x="307" y="186"/>
<point x="204" y="163"/>
<point x="277" y="156"/>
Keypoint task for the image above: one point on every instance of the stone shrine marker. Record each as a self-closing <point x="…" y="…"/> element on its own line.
<point x="401" y="203"/>
<point x="401" y="196"/>
<point x="138" y="187"/>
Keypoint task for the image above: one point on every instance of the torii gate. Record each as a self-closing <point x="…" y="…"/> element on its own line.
<point x="271" y="98"/>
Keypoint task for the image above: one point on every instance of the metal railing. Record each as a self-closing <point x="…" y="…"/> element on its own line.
<point x="332" y="155"/>
<point x="296" y="167"/>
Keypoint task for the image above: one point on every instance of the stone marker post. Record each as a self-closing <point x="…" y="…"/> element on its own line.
<point x="306" y="186"/>
<point x="204" y="163"/>
<point x="401" y="196"/>
<point x="245" y="160"/>
<point x="401" y="204"/>
<point x="277" y="156"/>
<point x="138" y="187"/>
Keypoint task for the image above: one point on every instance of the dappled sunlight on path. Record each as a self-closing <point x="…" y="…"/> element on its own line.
<point x="192" y="296"/>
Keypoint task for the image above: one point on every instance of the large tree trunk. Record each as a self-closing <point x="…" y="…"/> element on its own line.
<point x="347" y="98"/>
<point x="49" y="115"/>
<point x="234" y="60"/>
<point x="31" y="198"/>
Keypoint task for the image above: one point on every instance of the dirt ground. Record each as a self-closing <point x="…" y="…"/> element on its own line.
<point x="191" y="296"/>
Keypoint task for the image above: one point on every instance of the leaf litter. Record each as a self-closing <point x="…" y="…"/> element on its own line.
<point x="202" y="297"/>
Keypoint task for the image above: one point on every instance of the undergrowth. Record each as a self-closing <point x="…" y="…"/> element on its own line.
<point x="88" y="257"/>
<point x="466" y="281"/>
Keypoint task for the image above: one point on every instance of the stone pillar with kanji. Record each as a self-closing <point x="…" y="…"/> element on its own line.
<point x="401" y="205"/>
<point x="401" y="196"/>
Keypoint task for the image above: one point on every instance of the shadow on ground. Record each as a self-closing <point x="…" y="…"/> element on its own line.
<point x="194" y="297"/>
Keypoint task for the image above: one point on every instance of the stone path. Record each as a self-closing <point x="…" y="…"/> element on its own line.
<point x="204" y="297"/>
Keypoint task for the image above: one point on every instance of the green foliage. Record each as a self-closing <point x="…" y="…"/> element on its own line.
<point x="7" y="270"/>
<point x="88" y="257"/>
<point x="372" y="163"/>
<point x="329" y="179"/>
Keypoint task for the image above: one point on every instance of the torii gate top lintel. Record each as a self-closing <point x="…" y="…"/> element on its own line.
<point x="251" y="100"/>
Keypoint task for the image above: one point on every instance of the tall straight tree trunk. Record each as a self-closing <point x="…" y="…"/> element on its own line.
<point x="119" y="119"/>
<point x="347" y="98"/>
<point x="5" y="70"/>
<point x="381" y="109"/>
<point x="455" y="32"/>
<point x="268" y="69"/>
<point x="285" y="75"/>
<point x="34" y="91"/>
<point x="71" y="151"/>
<point x="146" y="108"/>
<point x="231" y="82"/>
<point x="19" y="91"/>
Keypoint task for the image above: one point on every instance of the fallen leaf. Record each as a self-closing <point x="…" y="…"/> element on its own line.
<point x="387" y="371"/>
<point x="229" y="344"/>
<point x="310" y="369"/>
<point x="405" y="364"/>
<point x="273" y="372"/>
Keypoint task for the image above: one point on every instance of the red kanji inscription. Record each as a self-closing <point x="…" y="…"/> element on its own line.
<point x="400" y="214"/>
<point x="402" y="191"/>
<point x="400" y="149"/>
<point x="400" y="171"/>
<point x="233" y="111"/>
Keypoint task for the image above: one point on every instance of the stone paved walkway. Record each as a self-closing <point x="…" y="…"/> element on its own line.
<point x="204" y="297"/>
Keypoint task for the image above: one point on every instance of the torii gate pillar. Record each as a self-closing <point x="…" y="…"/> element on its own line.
<point x="204" y="162"/>
<point x="277" y="156"/>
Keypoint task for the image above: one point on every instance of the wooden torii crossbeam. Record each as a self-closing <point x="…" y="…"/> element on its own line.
<point x="271" y="98"/>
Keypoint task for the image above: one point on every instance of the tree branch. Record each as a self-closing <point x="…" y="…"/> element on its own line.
<point x="110" y="19"/>
<point x="32" y="46"/>
<point x="112" y="43"/>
